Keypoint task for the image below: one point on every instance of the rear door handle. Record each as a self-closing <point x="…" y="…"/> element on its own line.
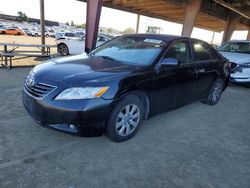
<point x="201" y="70"/>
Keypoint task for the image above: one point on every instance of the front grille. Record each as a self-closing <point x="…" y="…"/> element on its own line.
<point x="39" y="90"/>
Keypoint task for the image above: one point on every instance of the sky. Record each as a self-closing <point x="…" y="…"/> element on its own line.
<point x="73" y="10"/>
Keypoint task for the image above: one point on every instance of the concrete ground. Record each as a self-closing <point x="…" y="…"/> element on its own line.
<point x="193" y="146"/>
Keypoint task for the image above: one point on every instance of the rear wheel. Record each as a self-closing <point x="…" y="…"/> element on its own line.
<point x="63" y="49"/>
<point x="3" y="32"/>
<point x="215" y="92"/>
<point x="125" y="120"/>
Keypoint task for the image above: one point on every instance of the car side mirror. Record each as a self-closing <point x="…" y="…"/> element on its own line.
<point x="169" y="62"/>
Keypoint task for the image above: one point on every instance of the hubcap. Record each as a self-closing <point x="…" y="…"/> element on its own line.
<point x="127" y="120"/>
<point x="217" y="91"/>
<point x="63" y="50"/>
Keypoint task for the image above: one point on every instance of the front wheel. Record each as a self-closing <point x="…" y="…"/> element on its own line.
<point x="63" y="49"/>
<point x="125" y="120"/>
<point x="215" y="92"/>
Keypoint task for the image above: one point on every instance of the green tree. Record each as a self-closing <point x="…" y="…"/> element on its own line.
<point x="72" y="23"/>
<point x="67" y="23"/>
<point x="22" y="16"/>
<point x="110" y="30"/>
<point x="82" y="26"/>
<point x="128" y="30"/>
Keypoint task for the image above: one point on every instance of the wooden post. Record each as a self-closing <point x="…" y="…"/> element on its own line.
<point x="94" y="8"/>
<point x="138" y="23"/>
<point x="42" y="24"/>
<point x="192" y="11"/>
<point x="230" y="26"/>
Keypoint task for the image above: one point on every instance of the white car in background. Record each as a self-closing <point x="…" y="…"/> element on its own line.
<point x="238" y="53"/>
<point x="76" y="45"/>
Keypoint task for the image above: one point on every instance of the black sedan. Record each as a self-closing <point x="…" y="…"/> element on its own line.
<point x="123" y="82"/>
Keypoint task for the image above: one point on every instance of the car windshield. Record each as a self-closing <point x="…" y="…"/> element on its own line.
<point x="131" y="50"/>
<point x="236" y="47"/>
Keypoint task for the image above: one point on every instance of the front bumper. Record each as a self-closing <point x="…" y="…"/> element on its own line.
<point x="82" y="117"/>
<point x="242" y="76"/>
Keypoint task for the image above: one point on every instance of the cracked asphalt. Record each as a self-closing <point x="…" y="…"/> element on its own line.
<point x="192" y="146"/>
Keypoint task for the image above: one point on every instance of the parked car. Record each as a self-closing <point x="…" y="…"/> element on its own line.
<point x="80" y="33"/>
<point x="66" y="35"/>
<point x="73" y="46"/>
<point x="2" y="28"/>
<point x="238" y="53"/>
<point x="12" y="31"/>
<point x="34" y="33"/>
<point x="123" y="82"/>
<point x="51" y="34"/>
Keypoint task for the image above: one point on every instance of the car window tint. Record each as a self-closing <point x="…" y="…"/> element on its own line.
<point x="180" y="51"/>
<point x="201" y="51"/>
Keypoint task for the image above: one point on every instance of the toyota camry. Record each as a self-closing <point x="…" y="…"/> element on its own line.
<point x="117" y="86"/>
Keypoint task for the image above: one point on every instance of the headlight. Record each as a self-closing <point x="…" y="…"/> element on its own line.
<point x="81" y="93"/>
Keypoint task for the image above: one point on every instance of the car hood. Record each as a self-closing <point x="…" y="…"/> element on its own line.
<point x="81" y="68"/>
<point x="239" y="58"/>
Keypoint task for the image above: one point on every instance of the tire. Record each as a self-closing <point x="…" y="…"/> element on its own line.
<point x="63" y="49"/>
<point x="215" y="92"/>
<point x="18" y="34"/>
<point x="3" y="33"/>
<point x="36" y="35"/>
<point x="119" y="126"/>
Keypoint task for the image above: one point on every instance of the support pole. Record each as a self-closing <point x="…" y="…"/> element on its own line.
<point x="138" y="23"/>
<point x="248" y="35"/>
<point x="230" y="26"/>
<point x="192" y="11"/>
<point x="212" y="40"/>
<point x="42" y="24"/>
<point x="94" y="8"/>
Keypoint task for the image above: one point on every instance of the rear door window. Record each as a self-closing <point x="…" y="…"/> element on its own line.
<point x="201" y="51"/>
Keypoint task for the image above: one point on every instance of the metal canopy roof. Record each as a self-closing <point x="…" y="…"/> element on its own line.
<point x="212" y="16"/>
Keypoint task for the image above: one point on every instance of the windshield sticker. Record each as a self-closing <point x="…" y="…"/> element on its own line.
<point x="155" y="41"/>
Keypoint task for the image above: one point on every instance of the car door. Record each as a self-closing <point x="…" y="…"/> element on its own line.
<point x="75" y="43"/>
<point x="77" y="46"/>
<point x="173" y="85"/>
<point x="10" y="32"/>
<point x="206" y="63"/>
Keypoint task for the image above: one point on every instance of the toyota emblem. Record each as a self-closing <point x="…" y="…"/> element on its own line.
<point x="31" y="81"/>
